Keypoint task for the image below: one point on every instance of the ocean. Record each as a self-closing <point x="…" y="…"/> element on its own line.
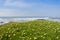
<point x="4" y="20"/>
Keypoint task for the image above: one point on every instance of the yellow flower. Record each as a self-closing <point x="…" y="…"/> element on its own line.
<point x="24" y="33"/>
<point x="45" y="33"/>
<point x="41" y="36"/>
<point x="57" y="28"/>
<point x="8" y="35"/>
<point x="57" y="37"/>
<point x="35" y="37"/>
<point x="8" y="28"/>
<point x="14" y="34"/>
<point x="30" y="38"/>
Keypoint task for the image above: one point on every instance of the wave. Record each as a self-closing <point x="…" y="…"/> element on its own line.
<point x="7" y="20"/>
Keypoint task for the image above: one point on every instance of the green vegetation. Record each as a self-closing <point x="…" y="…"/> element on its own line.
<point x="33" y="30"/>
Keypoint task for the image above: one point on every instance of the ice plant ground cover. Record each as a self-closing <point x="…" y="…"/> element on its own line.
<point x="33" y="30"/>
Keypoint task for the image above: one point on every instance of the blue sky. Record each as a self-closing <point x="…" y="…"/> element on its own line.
<point x="50" y="8"/>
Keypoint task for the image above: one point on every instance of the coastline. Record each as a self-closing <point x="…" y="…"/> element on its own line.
<point x="4" y="20"/>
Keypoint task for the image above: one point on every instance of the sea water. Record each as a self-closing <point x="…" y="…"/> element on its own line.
<point x="4" y="20"/>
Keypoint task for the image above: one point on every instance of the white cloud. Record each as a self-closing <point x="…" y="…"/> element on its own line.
<point x="5" y="12"/>
<point x="17" y="4"/>
<point x="38" y="9"/>
<point x="41" y="12"/>
<point x="12" y="12"/>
